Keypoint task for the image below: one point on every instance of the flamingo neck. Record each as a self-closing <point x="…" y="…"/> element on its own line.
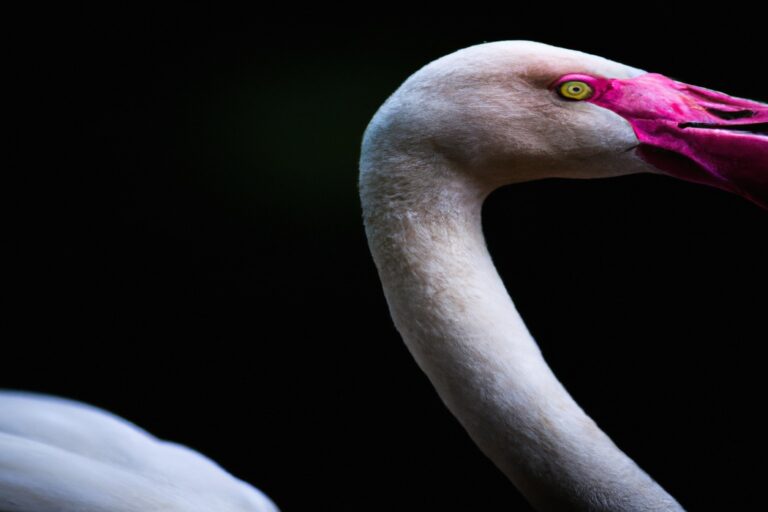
<point x="459" y="323"/>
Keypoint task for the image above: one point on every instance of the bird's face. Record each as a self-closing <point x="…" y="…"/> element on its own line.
<point x="515" y="111"/>
<point x="685" y="131"/>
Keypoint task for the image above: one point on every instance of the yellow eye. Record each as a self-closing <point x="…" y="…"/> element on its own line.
<point x="575" y="90"/>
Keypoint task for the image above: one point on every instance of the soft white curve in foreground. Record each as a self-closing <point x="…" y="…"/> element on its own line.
<point x="57" y="455"/>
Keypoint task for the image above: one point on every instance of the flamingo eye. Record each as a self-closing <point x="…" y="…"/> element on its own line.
<point x="575" y="90"/>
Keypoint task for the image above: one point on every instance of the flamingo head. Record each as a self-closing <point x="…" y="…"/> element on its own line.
<point x="517" y="110"/>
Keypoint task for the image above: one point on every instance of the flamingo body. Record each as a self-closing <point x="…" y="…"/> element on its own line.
<point x="58" y="455"/>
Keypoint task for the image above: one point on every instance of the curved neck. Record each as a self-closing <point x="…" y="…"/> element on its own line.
<point x="451" y="308"/>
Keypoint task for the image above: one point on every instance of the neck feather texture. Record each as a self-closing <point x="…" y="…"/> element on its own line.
<point x="457" y="319"/>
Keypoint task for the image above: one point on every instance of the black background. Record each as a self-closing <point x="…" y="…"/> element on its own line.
<point x="186" y="250"/>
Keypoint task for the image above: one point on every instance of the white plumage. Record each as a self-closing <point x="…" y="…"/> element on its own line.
<point x="58" y="455"/>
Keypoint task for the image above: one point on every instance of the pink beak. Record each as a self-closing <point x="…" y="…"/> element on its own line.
<point x="693" y="133"/>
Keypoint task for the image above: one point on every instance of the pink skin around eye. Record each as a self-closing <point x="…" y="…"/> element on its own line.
<point x="689" y="132"/>
<point x="597" y="84"/>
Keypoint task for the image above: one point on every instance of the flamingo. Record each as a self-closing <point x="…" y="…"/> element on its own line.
<point x="509" y="112"/>
<point x="462" y="126"/>
<point x="58" y="455"/>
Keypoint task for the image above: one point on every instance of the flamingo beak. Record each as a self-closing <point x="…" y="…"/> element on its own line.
<point x="693" y="133"/>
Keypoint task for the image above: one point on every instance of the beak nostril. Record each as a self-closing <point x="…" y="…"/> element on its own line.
<point x="730" y="115"/>
<point x="754" y="128"/>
